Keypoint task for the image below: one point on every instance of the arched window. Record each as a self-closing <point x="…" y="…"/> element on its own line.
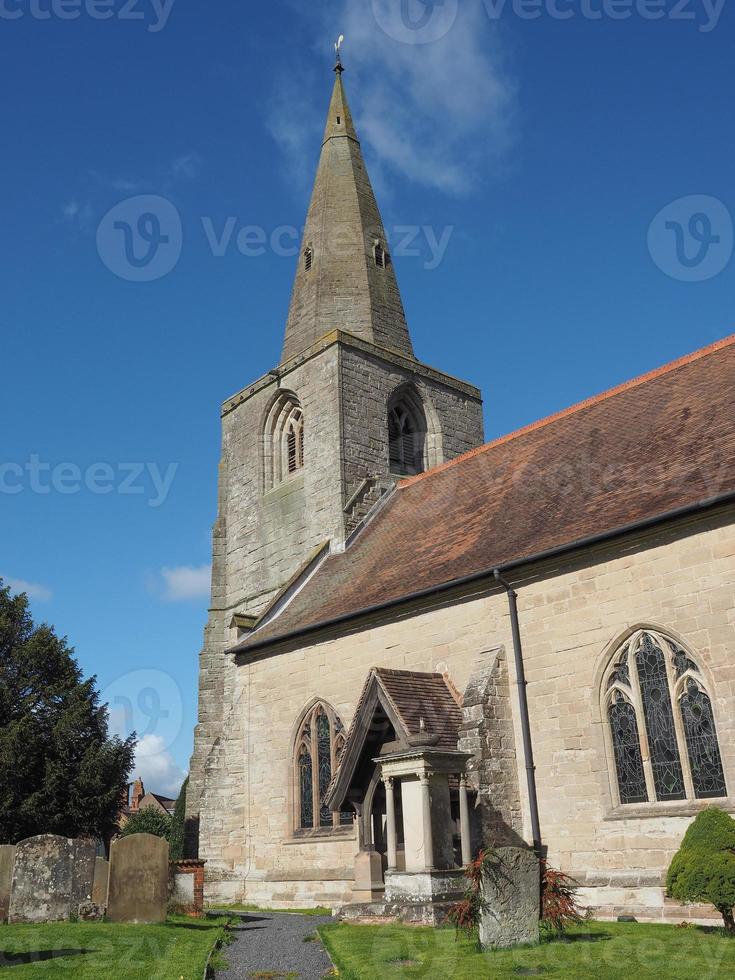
<point x="379" y="254"/>
<point x="661" y="724"/>
<point x="283" y="440"/>
<point x="406" y="434"/>
<point x="319" y="742"/>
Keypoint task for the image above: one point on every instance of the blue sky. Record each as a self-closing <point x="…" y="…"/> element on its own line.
<point x="565" y="167"/>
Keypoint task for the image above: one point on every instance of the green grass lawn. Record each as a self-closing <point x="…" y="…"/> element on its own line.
<point x="96" y="951"/>
<point x="618" y="951"/>
<point x="245" y="907"/>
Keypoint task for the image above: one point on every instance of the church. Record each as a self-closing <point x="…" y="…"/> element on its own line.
<point x="420" y="643"/>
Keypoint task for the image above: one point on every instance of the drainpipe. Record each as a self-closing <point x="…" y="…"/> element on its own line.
<point x="523" y="705"/>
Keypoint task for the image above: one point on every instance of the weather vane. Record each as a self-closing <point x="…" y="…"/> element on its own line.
<point x="337" y="51"/>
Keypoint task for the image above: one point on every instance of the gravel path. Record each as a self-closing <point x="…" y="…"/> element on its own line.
<point x="272" y="943"/>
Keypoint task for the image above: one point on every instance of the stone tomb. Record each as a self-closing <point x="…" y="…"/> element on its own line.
<point x="138" y="889"/>
<point x="52" y="877"/>
<point x="512" y="892"/>
<point x="7" y="859"/>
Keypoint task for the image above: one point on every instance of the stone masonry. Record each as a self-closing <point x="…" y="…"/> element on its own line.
<point x="343" y="381"/>
<point x="572" y="614"/>
<point x="487" y="732"/>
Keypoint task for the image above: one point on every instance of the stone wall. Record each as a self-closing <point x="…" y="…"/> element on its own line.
<point x="263" y="535"/>
<point x="572" y="614"/>
<point x="487" y="732"/>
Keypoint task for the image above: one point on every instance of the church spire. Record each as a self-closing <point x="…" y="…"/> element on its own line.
<point x="345" y="279"/>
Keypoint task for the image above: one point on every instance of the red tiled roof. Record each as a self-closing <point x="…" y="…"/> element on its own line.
<point x="656" y="444"/>
<point x="416" y="696"/>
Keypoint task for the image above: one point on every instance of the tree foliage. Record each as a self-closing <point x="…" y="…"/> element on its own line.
<point x="149" y="820"/>
<point x="176" y="840"/>
<point x="560" y="906"/>
<point x="703" y="869"/>
<point x="60" y="772"/>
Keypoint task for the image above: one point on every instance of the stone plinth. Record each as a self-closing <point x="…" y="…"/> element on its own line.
<point x="368" y="886"/>
<point x="7" y="860"/>
<point x="424" y="886"/>
<point x="138" y="889"/>
<point x="512" y="892"/>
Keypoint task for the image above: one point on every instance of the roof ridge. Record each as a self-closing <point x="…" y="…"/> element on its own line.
<point x="577" y="407"/>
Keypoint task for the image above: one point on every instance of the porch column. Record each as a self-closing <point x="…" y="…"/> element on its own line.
<point x="428" y="832"/>
<point x="390" y="815"/>
<point x="464" y="820"/>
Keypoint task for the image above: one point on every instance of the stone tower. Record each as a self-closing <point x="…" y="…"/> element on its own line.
<point x="308" y="449"/>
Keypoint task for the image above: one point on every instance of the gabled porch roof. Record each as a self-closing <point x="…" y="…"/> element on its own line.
<point x="420" y="707"/>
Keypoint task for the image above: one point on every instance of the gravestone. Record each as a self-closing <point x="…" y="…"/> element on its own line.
<point x="100" y="882"/>
<point x="512" y="891"/>
<point x="84" y="854"/>
<point x="52" y="876"/>
<point x="42" y="880"/>
<point x="138" y="889"/>
<point x="7" y="859"/>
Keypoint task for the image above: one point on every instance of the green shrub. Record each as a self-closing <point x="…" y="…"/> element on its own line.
<point x="178" y="823"/>
<point x="148" y="821"/>
<point x="703" y="869"/>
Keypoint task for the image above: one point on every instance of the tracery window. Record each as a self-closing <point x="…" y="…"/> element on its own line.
<point x="283" y="440"/>
<point x="661" y="723"/>
<point x="320" y="740"/>
<point x="406" y="435"/>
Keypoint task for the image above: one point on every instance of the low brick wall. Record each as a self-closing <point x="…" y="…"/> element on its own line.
<point x="186" y="887"/>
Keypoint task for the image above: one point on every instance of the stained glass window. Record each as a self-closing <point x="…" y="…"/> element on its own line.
<point x="656" y="691"/>
<point x="321" y="741"/>
<point x="654" y="684"/>
<point x="305" y="783"/>
<point x="628" y="759"/>
<point x="701" y="738"/>
<point x="324" y="740"/>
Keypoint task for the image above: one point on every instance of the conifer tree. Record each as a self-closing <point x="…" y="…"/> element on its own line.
<point x="60" y="771"/>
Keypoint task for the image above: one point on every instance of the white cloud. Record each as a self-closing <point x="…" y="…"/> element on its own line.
<point x="34" y="590"/>
<point x="186" y="166"/>
<point x="156" y="767"/>
<point x="80" y="216"/>
<point x="184" y="582"/>
<point x="439" y="114"/>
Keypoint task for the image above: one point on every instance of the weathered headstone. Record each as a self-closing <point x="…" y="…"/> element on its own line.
<point x="101" y="880"/>
<point x="52" y="876"/>
<point x="512" y="891"/>
<point x="7" y="859"/>
<point x="138" y="889"/>
<point x="84" y="853"/>
<point x="42" y="880"/>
